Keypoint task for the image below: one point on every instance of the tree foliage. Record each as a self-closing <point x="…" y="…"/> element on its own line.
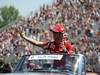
<point x="8" y="15"/>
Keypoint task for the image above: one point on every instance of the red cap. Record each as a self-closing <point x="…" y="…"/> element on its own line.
<point x="57" y="27"/>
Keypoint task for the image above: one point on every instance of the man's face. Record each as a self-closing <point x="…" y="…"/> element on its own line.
<point x="58" y="37"/>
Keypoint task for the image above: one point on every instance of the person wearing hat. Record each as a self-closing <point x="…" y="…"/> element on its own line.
<point x="58" y="45"/>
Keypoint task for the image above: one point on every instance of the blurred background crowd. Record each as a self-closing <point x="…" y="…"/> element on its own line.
<point x="81" y="19"/>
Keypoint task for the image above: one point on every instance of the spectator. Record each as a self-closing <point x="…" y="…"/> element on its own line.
<point x="1" y="66"/>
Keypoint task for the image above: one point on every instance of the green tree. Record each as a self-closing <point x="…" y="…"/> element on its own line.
<point x="8" y="15"/>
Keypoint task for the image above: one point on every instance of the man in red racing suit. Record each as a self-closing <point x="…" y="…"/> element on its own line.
<point x="58" y="46"/>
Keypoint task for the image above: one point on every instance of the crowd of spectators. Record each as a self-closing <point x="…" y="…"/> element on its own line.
<point x="81" y="19"/>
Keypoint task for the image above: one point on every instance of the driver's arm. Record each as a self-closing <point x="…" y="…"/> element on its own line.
<point x="34" y="42"/>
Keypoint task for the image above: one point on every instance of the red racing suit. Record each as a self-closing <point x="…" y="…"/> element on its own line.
<point x="53" y="47"/>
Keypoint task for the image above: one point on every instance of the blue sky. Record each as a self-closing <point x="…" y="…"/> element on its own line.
<point x="25" y="6"/>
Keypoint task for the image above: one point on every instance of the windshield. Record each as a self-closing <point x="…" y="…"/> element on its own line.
<point x="64" y="64"/>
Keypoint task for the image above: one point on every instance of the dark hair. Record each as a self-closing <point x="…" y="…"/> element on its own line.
<point x="1" y="62"/>
<point x="6" y="68"/>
